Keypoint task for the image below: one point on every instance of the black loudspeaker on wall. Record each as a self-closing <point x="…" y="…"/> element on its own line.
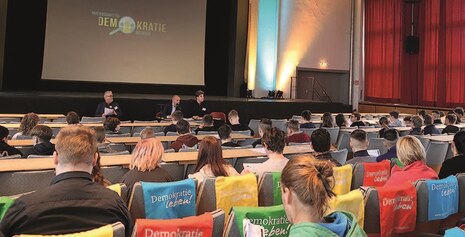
<point x="412" y="44"/>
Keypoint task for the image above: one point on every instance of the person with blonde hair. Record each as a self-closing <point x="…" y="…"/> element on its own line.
<point x="145" y="164"/>
<point x="28" y="122"/>
<point x="306" y="185"/>
<point x="411" y="155"/>
<point x="210" y="161"/>
<point x="327" y="120"/>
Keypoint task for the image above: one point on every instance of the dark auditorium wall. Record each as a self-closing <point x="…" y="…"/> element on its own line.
<point x="226" y="30"/>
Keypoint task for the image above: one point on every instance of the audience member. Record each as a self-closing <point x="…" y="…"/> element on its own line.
<point x="176" y="116"/>
<point x="233" y="117"/>
<point x="263" y="125"/>
<point x="41" y="136"/>
<point x="207" y="125"/>
<point x="307" y="119"/>
<point x="5" y="149"/>
<point x="294" y="134"/>
<point x="72" y="203"/>
<point x="169" y="109"/>
<point x="72" y="118"/>
<point x="273" y="142"/>
<point x="411" y="154"/>
<point x="390" y="139"/>
<point x="210" y="162"/>
<point x="327" y="120"/>
<point x="429" y="128"/>
<point x="455" y="164"/>
<point x="306" y="187"/>
<point x="198" y="105"/>
<point x="436" y="117"/>
<point x="101" y="138"/>
<point x="341" y="120"/>
<point x="97" y="174"/>
<point x="394" y="119"/>
<point x="108" y="108"/>
<point x="145" y="164"/>
<point x="147" y="133"/>
<point x="459" y="113"/>
<point x="408" y="121"/>
<point x="359" y="145"/>
<point x="224" y="132"/>
<point x="112" y="125"/>
<point x="417" y="123"/>
<point x="185" y="138"/>
<point x="29" y="121"/>
<point x="421" y="113"/>
<point x="355" y="119"/>
<point x="321" y="144"/>
<point x="384" y="123"/>
<point x="450" y="127"/>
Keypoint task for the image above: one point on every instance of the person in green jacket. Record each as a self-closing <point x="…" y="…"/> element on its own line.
<point x="306" y="185"/>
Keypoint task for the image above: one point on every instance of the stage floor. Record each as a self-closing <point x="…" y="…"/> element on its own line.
<point x="145" y="106"/>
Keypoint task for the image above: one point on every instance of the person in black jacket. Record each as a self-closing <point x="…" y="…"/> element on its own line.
<point x="108" y="108"/>
<point x="41" y="136"/>
<point x="234" y="121"/>
<point x="429" y="128"/>
<point x="5" y="149"/>
<point x="224" y="132"/>
<point x="207" y="125"/>
<point x="355" y="119"/>
<point x="73" y="202"/>
<point x="171" y="108"/>
<point x="456" y="164"/>
<point x="449" y="122"/>
<point x="198" y="105"/>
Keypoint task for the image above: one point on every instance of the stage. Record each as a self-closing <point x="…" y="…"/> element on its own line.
<point x="145" y="106"/>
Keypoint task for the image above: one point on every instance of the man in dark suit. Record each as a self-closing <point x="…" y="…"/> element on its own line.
<point x="108" y="108"/>
<point x="170" y="108"/>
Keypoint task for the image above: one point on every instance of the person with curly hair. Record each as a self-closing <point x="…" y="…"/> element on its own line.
<point x="28" y="122"/>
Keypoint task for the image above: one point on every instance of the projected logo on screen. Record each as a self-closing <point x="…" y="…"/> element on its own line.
<point x="127" y="24"/>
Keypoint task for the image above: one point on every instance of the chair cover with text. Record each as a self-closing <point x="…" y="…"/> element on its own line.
<point x="350" y="202"/>
<point x="269" y="189"/>
<point x="343" y="179"/>
<point x="115" y="230"/>
<point x="207" y="224"/>
<point x="163" y="200"/>
<point x="273" y="219"/>
<point x="390" y="210"/>
<point x="373" y="174"/>
<point x="437" y="200"/>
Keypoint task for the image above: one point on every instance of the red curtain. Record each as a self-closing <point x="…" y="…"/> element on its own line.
<point x="383" y="45"/>
<point x="435" y="76"/>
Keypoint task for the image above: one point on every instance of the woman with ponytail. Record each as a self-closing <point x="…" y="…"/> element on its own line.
<point x="306" y="190"/>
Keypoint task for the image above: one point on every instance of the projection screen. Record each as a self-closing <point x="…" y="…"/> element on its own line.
<point x="128" y="41"/>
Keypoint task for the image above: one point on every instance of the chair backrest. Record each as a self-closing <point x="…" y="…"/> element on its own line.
<point x="23" y="137"/>
<point x="85" y="119"/>
<point x="436" y="154"/>
<point x="139" y="129"/>
<point x="145" y="121"/>
<point x="116" y="230"/>
<point x="192" y="149"/>
<point x="207" y="133"/>
<point x="121" y="189"/>
<point x="59" y="120"/>
<point x="9" y="120"/>
<point x="377" y="143"/>
<point x="344" y="141"/>
<point x="175" y="170"/>
<point x="114" y="173"/>
<point x="269" y="189"/>
<point x="171" y="134"/>
<point x="219" y="115"/>
<point x="39" y="156"/>
<point x="258" y="216"/>
<point x="245" y="132"/>
<point x="334" y="133"/>
<point x="298" y="143"/>
<point x="308" y="131"/>
<point x="425" y="141"/>
<point x="342" y="179"/>
<point x="118" y="134"/>
<point x="370" y="174"/>
<point x="16" y="182"/>
<point x="340" y="156"/>
<point x="350" y="202"/>
<point x="118" y="147"/>
<point x="296" y="117"/>
<point x="437" y="199"/>
<point x="461" y="181"/>
<point x="245" y="186"/>
<point x="208" y="224"/>
<point x="372" y="212"/>
<point x="138" y="209"/>
<point x="115" y="153"/>
<point x="253" y="124"/>
<point x="239" y="166"/>
<point x="17" y="156"/>
<point x="280" y="123"/>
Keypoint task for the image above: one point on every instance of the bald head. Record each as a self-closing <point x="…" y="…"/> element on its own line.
<point x="175" y="100"/>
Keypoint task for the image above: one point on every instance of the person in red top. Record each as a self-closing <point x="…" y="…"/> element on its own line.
<point x="294" y="134"/>
<point x="412" y="155"/>
<point x="185" y="139"/>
